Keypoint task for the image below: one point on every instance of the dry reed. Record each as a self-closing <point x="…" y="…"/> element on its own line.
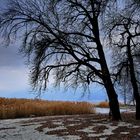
<point x="103" y="105"/>
<point x="17" y="108"/>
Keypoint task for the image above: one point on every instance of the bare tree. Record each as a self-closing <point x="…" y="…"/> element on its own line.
<point x="61" y="37"/>
<point x="124" y="32"/>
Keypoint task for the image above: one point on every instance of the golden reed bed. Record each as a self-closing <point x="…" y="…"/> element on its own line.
<point x="17" y="108"/>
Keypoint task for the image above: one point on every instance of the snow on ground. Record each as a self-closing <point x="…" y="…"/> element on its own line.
<point x="15" y="129"/>
<point x="109" y="128"/>
<point x="75" y="127"/>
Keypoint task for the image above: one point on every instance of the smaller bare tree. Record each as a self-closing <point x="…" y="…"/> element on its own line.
<point x="124" y="32"/>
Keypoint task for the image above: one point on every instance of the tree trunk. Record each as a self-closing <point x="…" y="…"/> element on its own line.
<point x="113" y="99"/>
<point x="133" y="79"/>
<point x="138" y="108"/>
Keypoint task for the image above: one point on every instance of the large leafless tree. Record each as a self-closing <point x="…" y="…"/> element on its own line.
<point x="61" y="37"/>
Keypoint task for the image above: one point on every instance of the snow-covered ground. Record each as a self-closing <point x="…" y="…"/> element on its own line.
<point x="75" y="127"/>
<point x="15" y="129"/>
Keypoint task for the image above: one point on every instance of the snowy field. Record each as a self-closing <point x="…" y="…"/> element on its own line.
<point x="75" y="127"/>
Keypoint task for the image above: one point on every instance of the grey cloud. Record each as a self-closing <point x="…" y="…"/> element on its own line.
<point x="10" y="57"/>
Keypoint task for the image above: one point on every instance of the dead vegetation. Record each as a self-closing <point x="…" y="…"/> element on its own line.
<point x="103" y="104"/>
<point x="17" y="108"/>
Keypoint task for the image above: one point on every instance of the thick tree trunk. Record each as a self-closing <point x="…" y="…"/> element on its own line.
<point x="138" y="108"/>
<point x="133" y="79"/>
<point x="113" y="99"/>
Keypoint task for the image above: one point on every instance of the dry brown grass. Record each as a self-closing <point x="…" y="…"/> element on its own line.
<point x="103" y="104"/>
<point x="17" y="108"/>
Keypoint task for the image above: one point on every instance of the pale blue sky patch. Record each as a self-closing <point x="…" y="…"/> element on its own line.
<point x="13" y="79"/>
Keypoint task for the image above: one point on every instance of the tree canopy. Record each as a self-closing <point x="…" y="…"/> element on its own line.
<point x="64" y="38"/>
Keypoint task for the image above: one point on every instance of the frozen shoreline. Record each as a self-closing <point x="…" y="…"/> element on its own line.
<point x="106" y="110"/>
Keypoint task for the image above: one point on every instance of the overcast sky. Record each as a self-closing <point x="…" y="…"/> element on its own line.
<point x="14" y="81"/>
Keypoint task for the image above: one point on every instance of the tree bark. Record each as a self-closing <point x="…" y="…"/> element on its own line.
<point x="113" y="98"/>
<point x="138" y="108"/>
